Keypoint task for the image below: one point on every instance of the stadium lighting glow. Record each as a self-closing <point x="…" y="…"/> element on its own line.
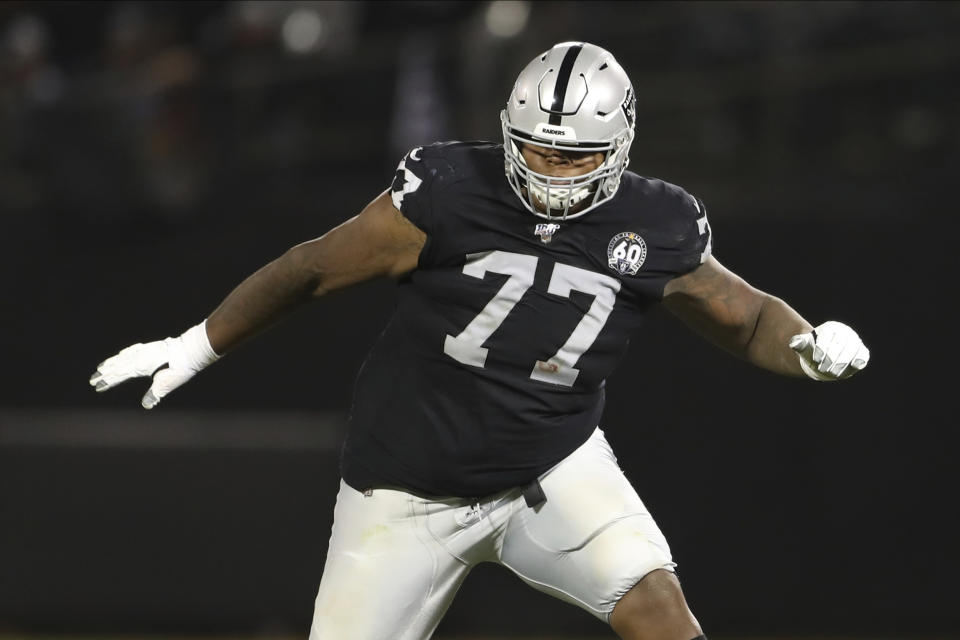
<point x="303" y="31"/>
<point x="507" y="18"/>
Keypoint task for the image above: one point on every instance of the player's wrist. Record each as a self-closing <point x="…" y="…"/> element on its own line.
<point x="193" y="349"/>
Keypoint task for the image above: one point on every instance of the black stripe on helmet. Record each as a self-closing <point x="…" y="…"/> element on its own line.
<point x="563" y="79"/>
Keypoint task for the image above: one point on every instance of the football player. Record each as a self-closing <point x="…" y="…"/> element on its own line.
<point x="522" y="270"/>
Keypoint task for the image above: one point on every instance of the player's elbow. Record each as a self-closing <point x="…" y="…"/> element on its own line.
<point x="304" y="266"/>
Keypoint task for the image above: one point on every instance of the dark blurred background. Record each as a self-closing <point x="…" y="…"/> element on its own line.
<point x="154" y="154"/>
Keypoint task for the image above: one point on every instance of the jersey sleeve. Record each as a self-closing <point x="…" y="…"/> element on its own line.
<point x="415" y="186"/>
<point x="680" y="238"/>
<point x="694" y="236"/>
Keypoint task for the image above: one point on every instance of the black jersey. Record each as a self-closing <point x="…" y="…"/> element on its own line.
<point x="492" y="368"/>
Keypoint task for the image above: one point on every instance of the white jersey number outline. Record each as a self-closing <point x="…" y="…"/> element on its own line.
<point x="467" y="347"/>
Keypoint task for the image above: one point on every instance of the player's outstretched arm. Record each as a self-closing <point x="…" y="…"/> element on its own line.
<point x="761" y="328"/>
<point x="377" y="242"/>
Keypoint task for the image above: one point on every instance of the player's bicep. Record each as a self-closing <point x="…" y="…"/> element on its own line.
<point x="379" y="241"/>
<point x="716" y="303"/>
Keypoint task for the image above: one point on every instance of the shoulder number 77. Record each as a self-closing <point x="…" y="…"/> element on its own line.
<point x="467" y="347"/>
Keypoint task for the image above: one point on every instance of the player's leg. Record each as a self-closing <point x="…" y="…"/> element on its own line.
<point x="655" y="609"/>
<point x="594" y="544"/>
<point x="386" y="577"/>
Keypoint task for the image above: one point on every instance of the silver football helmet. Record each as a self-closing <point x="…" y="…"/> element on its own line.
<point x="573" y="97"/>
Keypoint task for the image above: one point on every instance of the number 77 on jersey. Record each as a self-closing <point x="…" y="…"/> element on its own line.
<point x="467" y="347"/>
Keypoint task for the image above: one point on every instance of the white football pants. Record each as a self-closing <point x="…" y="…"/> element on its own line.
<point x="396" y="560"/>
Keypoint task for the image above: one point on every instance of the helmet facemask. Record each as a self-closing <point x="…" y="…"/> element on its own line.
<point x="563" y="198"/>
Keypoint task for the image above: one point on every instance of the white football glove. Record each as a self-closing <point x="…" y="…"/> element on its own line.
<point x="171" y="362"/>
<point x="832" y="351"/>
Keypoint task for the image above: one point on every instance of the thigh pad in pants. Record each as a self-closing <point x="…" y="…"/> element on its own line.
<point x="592" y="540"/>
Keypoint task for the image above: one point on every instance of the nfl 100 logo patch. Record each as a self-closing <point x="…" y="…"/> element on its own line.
<point x="546" y="231"/>
<point x="626" y="253"/>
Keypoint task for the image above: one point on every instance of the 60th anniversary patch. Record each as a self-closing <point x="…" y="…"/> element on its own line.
<point x="626" y="253"/>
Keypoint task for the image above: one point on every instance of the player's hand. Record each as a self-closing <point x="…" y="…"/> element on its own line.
<point x="832" y="351"/>
<point x="171" y="362"/>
